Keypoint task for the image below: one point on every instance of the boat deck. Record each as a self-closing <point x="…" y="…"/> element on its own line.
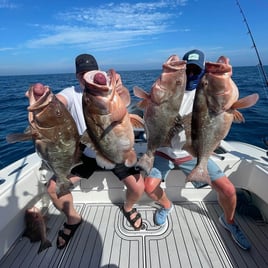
<point x="192" y="237"/>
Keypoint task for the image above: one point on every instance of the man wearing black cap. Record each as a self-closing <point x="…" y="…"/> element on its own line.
<point x="184" y="161"/>
<point x="71" y="97"/>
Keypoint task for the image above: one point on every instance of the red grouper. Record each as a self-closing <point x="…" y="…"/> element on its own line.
<point x="54" y="133"/>
<point x="161" y="108"/>
<point x="109" y="125"/>
<point x="214" y="109"/>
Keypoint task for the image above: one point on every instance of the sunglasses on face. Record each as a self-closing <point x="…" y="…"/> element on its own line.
<point x="193" y="70"/>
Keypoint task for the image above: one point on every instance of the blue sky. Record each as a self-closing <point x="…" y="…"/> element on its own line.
<point x="43" y="37"/>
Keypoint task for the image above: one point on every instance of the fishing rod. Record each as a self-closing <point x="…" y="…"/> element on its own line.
<point x="265" y="80"/>
<point x="254" y="45"/>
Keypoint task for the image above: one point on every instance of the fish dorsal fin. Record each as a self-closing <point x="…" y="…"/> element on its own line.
<point x="246" y="102"/>
<point x="174" y="130"/>
<point x="136" y="121"/>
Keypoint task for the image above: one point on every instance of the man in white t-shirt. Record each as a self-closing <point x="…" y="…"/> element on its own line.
<point x="168" y="158"/>
<point x="71" y="97"/>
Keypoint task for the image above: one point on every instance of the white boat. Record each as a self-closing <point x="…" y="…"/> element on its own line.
<point x="192" y="236"/>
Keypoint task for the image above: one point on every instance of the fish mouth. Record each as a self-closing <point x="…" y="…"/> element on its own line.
<point x="174" y="64"/>
<point x="222" y="66"/>
<point x="96" y="86"/>
<point x="39" y="96"/>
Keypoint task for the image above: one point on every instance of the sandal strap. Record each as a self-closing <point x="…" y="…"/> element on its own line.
<point x="64" y="236"/>
<point x="129" y="213"/>
<point x="67" y="237"/>
<point x="72" y="227"/>
<point x="132" y="221"/>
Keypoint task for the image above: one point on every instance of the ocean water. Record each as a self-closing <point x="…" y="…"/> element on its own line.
<point x="13" y="105"/>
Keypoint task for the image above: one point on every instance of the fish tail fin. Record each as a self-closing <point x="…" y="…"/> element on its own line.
<point x="145" y="163"/>
<point x="44" y="245"/>
<point x="131" y="159"/>
<point x="199" y="174"/>
<point x="64" y="187"/>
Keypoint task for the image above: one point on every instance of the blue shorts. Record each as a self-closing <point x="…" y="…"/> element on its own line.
<point x="163" y="166"/>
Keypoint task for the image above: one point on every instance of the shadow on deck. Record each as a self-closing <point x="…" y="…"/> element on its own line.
<point x="192" y="237"/>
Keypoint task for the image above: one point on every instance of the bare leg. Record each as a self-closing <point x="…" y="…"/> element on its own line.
<point x="65" y="204"/>
<point x="155" y="192"/>
<point x="226" y="197"/>
<point x="135" y="189"/>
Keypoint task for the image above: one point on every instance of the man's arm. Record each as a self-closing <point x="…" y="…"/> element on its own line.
<point x="62" y="99"/>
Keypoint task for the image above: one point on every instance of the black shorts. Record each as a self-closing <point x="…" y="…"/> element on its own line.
<point x="89" y="166"/>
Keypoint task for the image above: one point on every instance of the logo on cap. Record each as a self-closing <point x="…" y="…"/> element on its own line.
<point x="193" y="56"/>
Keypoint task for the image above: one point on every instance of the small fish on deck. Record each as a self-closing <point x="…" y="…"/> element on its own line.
<point x="36" y="229"/>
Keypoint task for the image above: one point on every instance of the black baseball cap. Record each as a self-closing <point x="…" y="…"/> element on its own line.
<point x="85" y="63"/>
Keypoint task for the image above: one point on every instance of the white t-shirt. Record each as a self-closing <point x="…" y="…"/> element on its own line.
<point x="179" y="140"/>
<point x="73" y="95"/>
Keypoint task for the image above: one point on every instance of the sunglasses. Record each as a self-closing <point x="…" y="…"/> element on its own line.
<point x="193" y="69"/>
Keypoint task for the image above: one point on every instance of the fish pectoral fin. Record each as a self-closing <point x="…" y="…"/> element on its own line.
<point x="142" y="104"/>
<point x="140" y="93"/>
<point x="136" y="121"/>
<point x="246" y="102"/>
<point x="238" y="117"/>
<point x="17" y="137"/>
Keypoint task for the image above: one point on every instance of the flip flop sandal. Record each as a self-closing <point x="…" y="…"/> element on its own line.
<point x="67" y="237"/>
<point x="134" y="220"/>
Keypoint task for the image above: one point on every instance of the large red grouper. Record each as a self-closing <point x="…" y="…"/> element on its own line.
<point x="161" y="108"/>
<point x="214" y="109"/>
